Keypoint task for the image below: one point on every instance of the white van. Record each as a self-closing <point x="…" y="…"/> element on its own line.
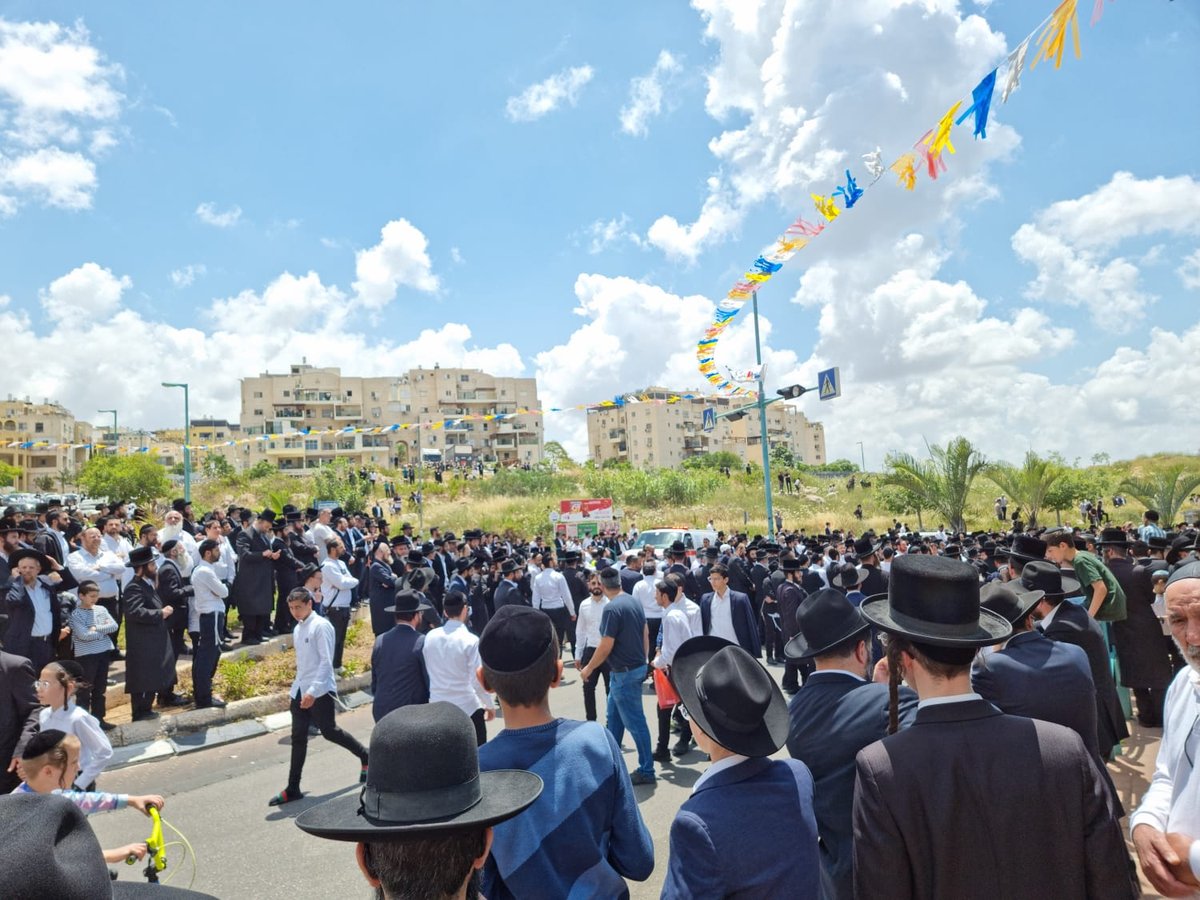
<point x="661" y="539"/>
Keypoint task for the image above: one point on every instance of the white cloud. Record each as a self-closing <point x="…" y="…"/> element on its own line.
<point x="546" y="96"/>
<point x="400" y="258"/>
<point x="603" y="234"/>
<point x="1189" y="272"/>
<point x="186" y="276"/>
<point x="719" y="217"/>
<point x="78" y="358"/>
<point x="646" y="95"/>
<point x="56" y="91"/>
<point x="52" y="176"/>
<point x="88" y="291"/>
<point x="456" y="256"/>
<point x="208" y="213"/>
<point x="1071" y="244"/>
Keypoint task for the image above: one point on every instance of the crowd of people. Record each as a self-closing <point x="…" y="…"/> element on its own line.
<point x="933" y="690"/>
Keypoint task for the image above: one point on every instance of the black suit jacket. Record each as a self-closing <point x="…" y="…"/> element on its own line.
<point x="19" y="709"/>
<point x="1073" y="625"/>
<point x="1145" y="662"/>
<point x="833" y="717"/>
<point x="398" y="676"/>
<point x="957" y="806"/>
<point x="19" y="635"/>
<point x="507" y="592"/>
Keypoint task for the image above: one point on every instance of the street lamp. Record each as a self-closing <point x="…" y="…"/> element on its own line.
<point x="187" y="440"/>
<point x="116" y="439"/>
<point x="862" y="456"/>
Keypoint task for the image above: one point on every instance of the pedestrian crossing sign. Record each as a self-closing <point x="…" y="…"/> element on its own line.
<point x="829" y="383"/>
<point x="709" y="422"/>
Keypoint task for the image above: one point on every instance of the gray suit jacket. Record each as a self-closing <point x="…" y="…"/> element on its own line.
<point x="955" y="807"/>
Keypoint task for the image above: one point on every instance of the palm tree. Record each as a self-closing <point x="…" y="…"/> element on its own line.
<point x="1028" y="485"/>
<point x="1164" y="490"/>
<point x="942" y="482"/>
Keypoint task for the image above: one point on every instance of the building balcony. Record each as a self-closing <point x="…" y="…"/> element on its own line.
<point x="347" y="412"/>
<point x="319" y="396"/>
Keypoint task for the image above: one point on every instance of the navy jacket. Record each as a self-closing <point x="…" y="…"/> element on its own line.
<point x="381" y="593"/>
<point x="398" y="676"/>
<point x="507" y="592"/>
<point x="1072" y="625"/>
<point x="833" y="716"/>
<point x="742" y="613"/>
<point x="19" y="636"/>
<point x="629" y="577"/>
<point x="718" y="844"/>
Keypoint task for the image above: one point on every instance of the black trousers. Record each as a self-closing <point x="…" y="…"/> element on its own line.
<point x="252" y="628"/>
<point x="95" y="673"/>
<point x="589" y="686"/>
<point x="772" y="636"/>
<point x="115" y="609"/>
<point x="142" y="701"/>
<point x="562" y="625"/>
<point x="1150" y="706"/>
<point x="41" y="652"/>
<point x="791" y="676"/>
<point x="664" y="728"/>
<point x="480" y="723"/>
<point x="177" y="644"/>
<point x="339" y="617"/>
<point x="321" y="715"/>
<point x="284" y="623"/>
<point x="654" y="626"/>
<point x="208" y="654"/>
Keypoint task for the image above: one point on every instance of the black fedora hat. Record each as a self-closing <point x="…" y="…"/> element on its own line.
<point x="407" y="602"/>
<point x="444" y="792"/>
<point x="51" y="851"/>
<point x="1113" y="537"/>
<point x="677" y="547"/>
<point x="1007" y="601"/>
<point x="43" y="560"/>
<point x="865" y="546"/>
<point x="730" y="696"/>
<point x="1156" y="542"/>
<point x="825" y="619"/>
<point x="790" y="564"/>
<point x="1026" y="547"/>
<point x="268" y="514"/>
<point x="935" y="600"/>
<point x="1048" y="578"/>
<point x="140" y="556"/>
<point x="508" y="567"/>
<point x="848" y="576"/>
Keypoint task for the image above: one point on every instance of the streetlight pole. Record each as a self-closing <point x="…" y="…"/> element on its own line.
<point x="116" y="437"/>
<point x="762" y="423"/>
<point x="862" y="456"/>
<point x="187" y="440"/>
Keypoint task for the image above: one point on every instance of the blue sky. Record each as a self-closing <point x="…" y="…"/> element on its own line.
<point x="322" y="124"/>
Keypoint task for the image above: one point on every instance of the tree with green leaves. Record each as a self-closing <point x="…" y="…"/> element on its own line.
<point x="556" y="455"/>
<point x="65" y="475"/>
<point x="44" y="483"/>
<point x="941" y="483"/>
<point x="9" y="474"/>
<point x="1165" y="490"/>
<point x="217" y="466"/>
<point x="781" y="455"/>
<point x="901" y="502"/>
<point x="1027" y="485"/>
<point x="264" y="468"/>
<point x="135" y="477"/>
<point x="1074" y="485"/>
<point x="337" y="481"/>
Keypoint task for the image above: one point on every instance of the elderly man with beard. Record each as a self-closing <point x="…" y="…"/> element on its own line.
<point x="175" y="589"/>
<point x="1166" y="827"/>
<point x="173" y="530"/>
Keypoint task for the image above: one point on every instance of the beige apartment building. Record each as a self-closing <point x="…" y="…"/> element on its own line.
<point x="322" y="398"/>
<point x="25" y="422"/>
<point x="663" y="435"/>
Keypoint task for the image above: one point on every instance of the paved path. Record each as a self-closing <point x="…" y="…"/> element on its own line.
<point x="218" y="797"/>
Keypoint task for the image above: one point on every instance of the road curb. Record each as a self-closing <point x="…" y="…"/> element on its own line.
<point x="201" y="729"/>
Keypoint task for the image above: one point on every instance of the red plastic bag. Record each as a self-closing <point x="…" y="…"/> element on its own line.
<point x="667" y="697"/>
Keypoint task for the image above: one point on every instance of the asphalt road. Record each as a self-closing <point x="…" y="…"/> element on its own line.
<point x="245" y="849"/>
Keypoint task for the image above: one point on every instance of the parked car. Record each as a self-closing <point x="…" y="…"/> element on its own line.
<point x="662" y="538"/>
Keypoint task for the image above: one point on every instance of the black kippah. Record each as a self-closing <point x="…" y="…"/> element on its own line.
<point x="516" y="638"/>
<point x="42" y="742"/>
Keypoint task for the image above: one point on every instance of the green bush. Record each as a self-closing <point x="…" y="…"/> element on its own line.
<point x="532" y="483"/>
<point x="236" y="677"/>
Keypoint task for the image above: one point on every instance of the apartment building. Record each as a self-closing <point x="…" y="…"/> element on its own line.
<point x="662" y="435"/>
<point x="41" y="426"/>
<point x="437" y="399"/>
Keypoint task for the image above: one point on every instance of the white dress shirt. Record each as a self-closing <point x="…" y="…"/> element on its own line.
<point x="105" y="568"/>
<point x="317" y="536"/>
<point x="643" y="593"/>
<point x="43" y="620"/>
<point x="314" y="640"/>
<point x="209" y="596"/>
<point x="587" y="626"/>
<point x="94" y="751"/>
<point x="1172" y="802"/>
<point x="451" y="656"/>
<point x="121" y="548"/>
<point x="336" y="584"/>
<point x="721" y="621"/>
<point x="676" y="628"/>
<point x="550" y="591"/>
<point x="952" y="698"/>
<point x="226" y="564"/>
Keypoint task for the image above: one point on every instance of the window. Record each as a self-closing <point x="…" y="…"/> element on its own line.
<point x="287" y="393"/>
<point x="449" y="393"/>
<point x="374" y="395"/>
<point x="258" y="395"/>
<point x="376" y="412"/>
<point x="39" y="427"/>
<point x="311" y="445"/>
<point x="466" y="378"/>
<point x="258" y="412"/>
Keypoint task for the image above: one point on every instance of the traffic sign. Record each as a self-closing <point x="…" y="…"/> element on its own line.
<point x="709" y="422"/>
<point x="829" y="383"/>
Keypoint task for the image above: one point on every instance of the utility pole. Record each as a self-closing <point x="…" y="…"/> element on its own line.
<point x="187" y="440"/>
<point x="762" y="424"/>
<point x="862" y="456"/>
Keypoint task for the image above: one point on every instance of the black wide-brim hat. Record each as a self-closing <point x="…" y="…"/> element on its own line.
<point x="1009" y="600"/>
<point x="28" y="553"/>
<point x="730" y="696"/>
<point x="935" y="600"/>
<point x="140" y="556"/>
<point x="1113" y="537"/>
<point x="1027" y="548"/>
<point x="824" y="619"/>
<point x="443" y="791"/>
<point x="1044" y="576"/>
<point x="407" y="602"/>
